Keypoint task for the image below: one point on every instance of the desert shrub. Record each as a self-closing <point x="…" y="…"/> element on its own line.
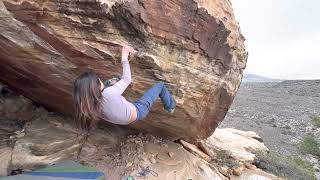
<point x="316" y="121"/>
<point x="224" y="158"/>
<point x="309" y="145"/>
<point x="303" y="164"/>
<point x="286" y="167"/>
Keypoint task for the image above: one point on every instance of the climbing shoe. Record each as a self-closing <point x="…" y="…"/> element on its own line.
<point x="170" y="110"/>
<point x="112" y="81"/>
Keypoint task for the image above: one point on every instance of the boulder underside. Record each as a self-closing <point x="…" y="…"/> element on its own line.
<point x="194" y="46"/>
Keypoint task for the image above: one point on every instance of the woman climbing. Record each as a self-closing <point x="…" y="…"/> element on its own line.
<point x="94" y="101"/>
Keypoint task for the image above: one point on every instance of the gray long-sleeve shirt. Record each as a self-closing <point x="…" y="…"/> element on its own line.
<point x="115" y="107"/>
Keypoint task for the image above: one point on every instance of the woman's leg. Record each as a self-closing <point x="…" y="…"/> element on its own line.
<point x="145" y="103"/>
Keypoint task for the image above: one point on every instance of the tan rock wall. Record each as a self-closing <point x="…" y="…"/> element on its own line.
<point x="194" y="46"/>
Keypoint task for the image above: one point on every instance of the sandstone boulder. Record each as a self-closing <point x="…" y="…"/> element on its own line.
<point x="240" y="144"/>
<point x="195" y="46"/>
<point x="45" y="143"/>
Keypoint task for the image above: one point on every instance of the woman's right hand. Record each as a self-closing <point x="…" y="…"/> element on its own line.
<point x="126" y="50"/>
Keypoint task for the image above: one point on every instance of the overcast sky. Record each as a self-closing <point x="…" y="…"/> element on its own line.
<point x="283" y="37"/>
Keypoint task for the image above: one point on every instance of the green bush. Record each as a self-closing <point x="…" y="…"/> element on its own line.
<point x="303" y="164"/>
<point x="316" y="121"/>
<point x="224" y="159"/>
<point x="309" y="145"/>
<point x="286" y="167"/>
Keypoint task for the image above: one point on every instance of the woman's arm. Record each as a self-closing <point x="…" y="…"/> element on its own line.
<point x="126" y="72"/>
<point x="126" y="77"/>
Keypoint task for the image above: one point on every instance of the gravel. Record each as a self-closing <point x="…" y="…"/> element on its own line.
<point x="280" y="112"/>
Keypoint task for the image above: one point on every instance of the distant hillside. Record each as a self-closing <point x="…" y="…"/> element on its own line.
<point x="300" y="87"/>
<point x="257" y="78"/>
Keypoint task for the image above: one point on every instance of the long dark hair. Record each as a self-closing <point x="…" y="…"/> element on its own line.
<point x="87" y="101"/>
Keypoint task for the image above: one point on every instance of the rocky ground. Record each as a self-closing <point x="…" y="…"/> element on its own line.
<point x="31" y="138"/>
<point x="280" y="112"/>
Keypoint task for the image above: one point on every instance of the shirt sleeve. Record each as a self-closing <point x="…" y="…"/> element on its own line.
<point x="122" y="85"/>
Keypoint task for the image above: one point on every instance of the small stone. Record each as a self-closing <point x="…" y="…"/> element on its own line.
<point x="165" y="145"/>
<point x="250" y="166"/>
<point x="145" y="159"/>
<point x="153" y="160"/>
<point x="237" y="171"/>
<point x="225" y="171"/>
<point x="171" y="154"/>
<point x="136" y="160"/>
<point x="129" y="164"/>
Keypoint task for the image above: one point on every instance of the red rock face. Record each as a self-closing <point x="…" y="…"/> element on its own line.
<point x="195" y="46"/>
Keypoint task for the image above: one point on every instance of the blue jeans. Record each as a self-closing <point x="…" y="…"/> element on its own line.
<point x="144" y="104"/>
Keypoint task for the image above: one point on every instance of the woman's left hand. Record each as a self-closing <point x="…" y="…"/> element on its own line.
<point x="126" y="50"/>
